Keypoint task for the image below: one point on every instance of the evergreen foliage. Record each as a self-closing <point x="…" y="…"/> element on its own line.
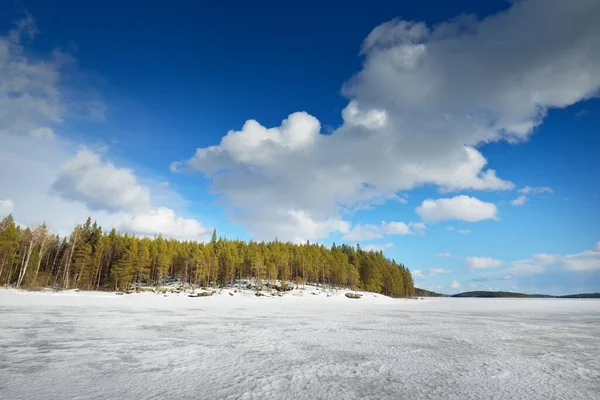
<point x="92" y="259"/>
<point x="427" y="293"/>
<point x="488" y="294"/>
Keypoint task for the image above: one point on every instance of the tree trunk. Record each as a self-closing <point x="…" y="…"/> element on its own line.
<point x="24" y="266"/>
<point x="99" y="274"/>
<point x="54" y="264"/>
<point x="40" y="258"/>
<point x="66" y="277"/>
<point x="95" y="273"/>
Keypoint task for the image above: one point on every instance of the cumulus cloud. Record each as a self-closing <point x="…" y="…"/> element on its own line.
<point x="455" y="285"/>
<point x="378" y="247"/>
<point x="32" y="104"/>
<point x="519" y="201"/>
<point x="28" y="169"/>
<point x="585" y="261"/>
<point x="370" y="119"/>
<point x="42" y="172"/>
<point x="100" y="184"/>
<point x="43" y="132"/>
<point x="482" y="263"/>
<point x="30" y="99"/>
<point x="6" y="207"/>
<point x="417" y="273"/>
<point x="424" y="101"/>
<point x="163" y="221"/>
<point x="430" y="272"/>
<point x="529" y="190"/>
<point x="460" y="207"/>
<point x="369" y="232"/>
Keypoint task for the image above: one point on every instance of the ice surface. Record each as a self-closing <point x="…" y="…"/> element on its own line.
<point x="146" y="346"/>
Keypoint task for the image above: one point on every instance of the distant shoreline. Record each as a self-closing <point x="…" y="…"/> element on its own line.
<point x="514" y="295"/>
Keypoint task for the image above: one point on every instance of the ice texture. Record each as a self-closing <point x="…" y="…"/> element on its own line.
<point x="90" y="345"/>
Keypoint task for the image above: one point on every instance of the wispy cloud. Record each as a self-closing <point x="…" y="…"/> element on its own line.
<point x="482" y="263"/>
<point x="529" y="190"/>
<point x="461" y="231"/>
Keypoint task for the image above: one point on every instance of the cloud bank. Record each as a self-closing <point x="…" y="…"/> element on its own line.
<point x="424" y="101"/>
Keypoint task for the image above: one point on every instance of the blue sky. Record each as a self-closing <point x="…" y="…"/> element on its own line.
<point x="460" y="138"/>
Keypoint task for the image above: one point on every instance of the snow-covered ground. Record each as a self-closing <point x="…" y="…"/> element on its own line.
<point x="147" y="346"/>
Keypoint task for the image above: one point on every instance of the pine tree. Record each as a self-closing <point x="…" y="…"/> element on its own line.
<point x="91" y="259"/>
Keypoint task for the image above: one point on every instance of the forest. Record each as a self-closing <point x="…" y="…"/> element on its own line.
<point x="490" y="294"/>
<point x="91" y="258"/>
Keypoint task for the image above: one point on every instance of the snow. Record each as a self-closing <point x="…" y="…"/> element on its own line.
<point x="90" y="345"/>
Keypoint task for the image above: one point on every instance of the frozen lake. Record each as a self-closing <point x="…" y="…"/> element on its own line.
<point x="145" y="346"/>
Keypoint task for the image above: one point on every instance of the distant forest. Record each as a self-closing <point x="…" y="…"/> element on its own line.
<point x="427" y="293"/>
<point x="93" y="259"/>
<point x="487" y="294"/>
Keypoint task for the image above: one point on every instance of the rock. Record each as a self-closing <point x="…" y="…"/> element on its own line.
<point x="353" y="295"/>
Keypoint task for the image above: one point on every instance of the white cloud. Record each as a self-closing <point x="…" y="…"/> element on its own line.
<point x="370" y="119"/>
<point x="455" y="285"/>
<point x="378" y="247"/>
<point x="438" y="271"/>
<point x="424" y="101"/>
<point x="164" y="221"/>
<point x="43" y="132"/>
<point x="100" y="185"/>
<point x="519" y="201"/>
<point x="35" y="97"/>
<point x="524" y="268"/>
<point x="482" y="263"/>
<point x="444" y="254"/>
<point x="460" y="207"/>
<point x="28" y="167"/>
<point x="6" y="207"/>
<point x="461" y="231"/>
<point x="369" y="231"/>
<point x="417" y="227"/>
<point x="529" y="190"/>
<point x="430" y="272"/>
<point x="30" y="98"/>
<point x="417" y="273"/>
<point x="585" y="261"/>
<point x="535" y="190"/>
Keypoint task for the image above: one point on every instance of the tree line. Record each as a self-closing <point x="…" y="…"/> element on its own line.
<point x="93" y="259"/>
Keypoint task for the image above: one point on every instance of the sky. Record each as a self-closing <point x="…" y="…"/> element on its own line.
<point x="459" y="138"/>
